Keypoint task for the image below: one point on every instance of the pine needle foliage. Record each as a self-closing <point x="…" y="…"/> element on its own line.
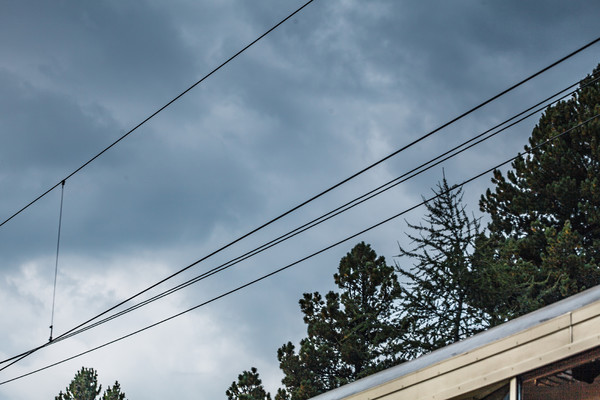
<point x="435" y="297"/>
<point x="544" y="234"/>
<point x="84" y="386"/>
<point x="114" y="393"/>
<point x="248" y="387"/>
<point x="351" y="333"/>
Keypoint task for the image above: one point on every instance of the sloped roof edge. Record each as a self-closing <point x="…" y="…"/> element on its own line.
<point x="490" y="336"/>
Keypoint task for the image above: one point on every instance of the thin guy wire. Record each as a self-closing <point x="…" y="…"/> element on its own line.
<point x="62" y="193"/>
<point x="454" y="187"/>
<point x="333" y="213"/>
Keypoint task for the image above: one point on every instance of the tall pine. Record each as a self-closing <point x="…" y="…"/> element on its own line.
<point x="544" y="235"/>
<point x="351" y="333"/>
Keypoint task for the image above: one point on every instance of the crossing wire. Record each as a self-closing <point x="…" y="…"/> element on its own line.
<point x="20" y="357"/>
<point x="331" y="188"/>
<point x="349" y="205"/>
<point x="230" y="292"/>
<point x="441" y="158"/>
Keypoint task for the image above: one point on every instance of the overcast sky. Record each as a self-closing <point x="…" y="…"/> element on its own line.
<point x="339" y="86"/>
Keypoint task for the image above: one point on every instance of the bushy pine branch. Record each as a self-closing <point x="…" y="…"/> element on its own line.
<point x="436" y="307"/>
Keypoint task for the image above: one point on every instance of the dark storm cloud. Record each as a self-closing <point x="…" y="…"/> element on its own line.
<point x="45" y="128"/>
<point x="339" y="86"/>
<point x="453" y="49"/>
<point x="97" y="50"/>
<point x="75" y="70"/>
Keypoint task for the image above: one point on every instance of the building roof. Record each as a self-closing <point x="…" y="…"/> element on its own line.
<point x="486" y="338"/>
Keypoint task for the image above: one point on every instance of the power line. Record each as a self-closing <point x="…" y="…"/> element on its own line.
<point x="454" y="187"/>
<point x="480" y="105"/>
<point x="353" y="203"/>
<point x="299" y="205"/>
<point x="157" y="112"/>
<point x="345" y="207"/>
<point x="23" y="355"/>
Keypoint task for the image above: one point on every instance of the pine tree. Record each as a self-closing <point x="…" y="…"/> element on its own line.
<point x="113" y="393"/>
<point x="351" y="333"/>
<point x="545" y="216"/>
<point x="248" y="387"/>
<point x="436" y="309"/>
<point x="84" y="386"/>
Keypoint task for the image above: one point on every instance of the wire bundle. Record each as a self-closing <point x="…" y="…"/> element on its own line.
<point x="106" y="316"/>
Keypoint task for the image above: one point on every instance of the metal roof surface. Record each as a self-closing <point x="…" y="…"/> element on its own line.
<point x="491" y="335"/>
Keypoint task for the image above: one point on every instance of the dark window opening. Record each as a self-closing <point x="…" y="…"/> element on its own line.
<point x="576" y="378"/>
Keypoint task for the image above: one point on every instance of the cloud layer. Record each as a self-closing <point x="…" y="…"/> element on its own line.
<point x="339" y="86"/>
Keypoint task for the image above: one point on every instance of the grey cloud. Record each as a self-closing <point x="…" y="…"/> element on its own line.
<point x="44" y="128"/>
<point x="323" y="96"/>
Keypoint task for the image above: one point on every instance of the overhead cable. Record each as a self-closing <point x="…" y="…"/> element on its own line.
<point x="345" y="207"/>
<point x="480" y="105"/>
<point x="454" y="187"/>
<point x="331" y="188"/>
